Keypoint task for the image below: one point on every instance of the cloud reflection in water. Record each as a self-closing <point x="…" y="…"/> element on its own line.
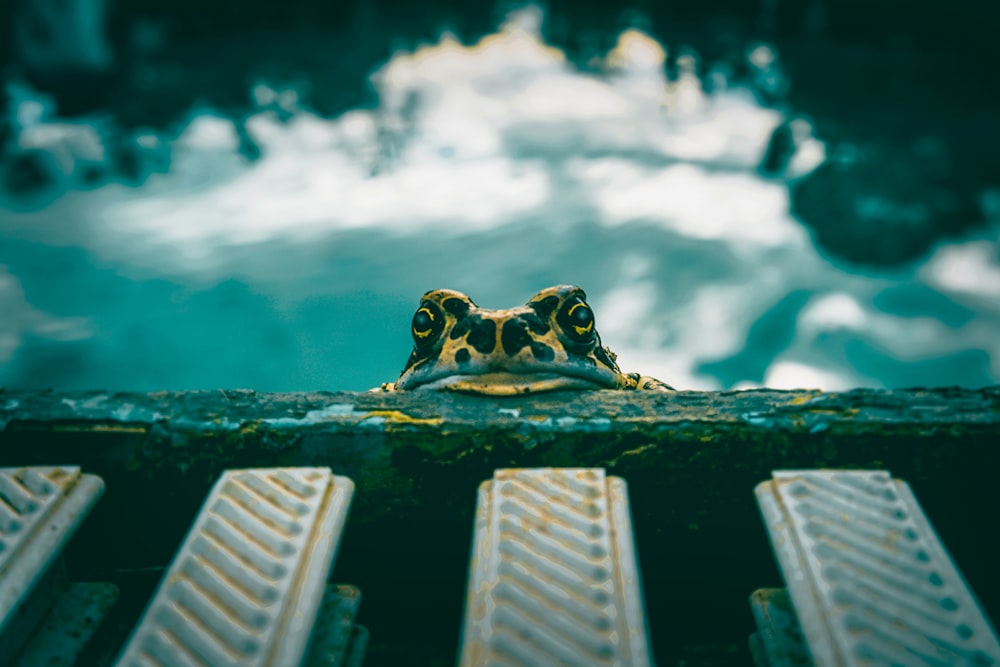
<point x="495" y="169"/>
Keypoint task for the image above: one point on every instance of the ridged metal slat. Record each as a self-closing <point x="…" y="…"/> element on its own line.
<point x="40" y="509"/>
<point x="870" y="581"/>
<point x="554" y="578"/>
<point x="247" y="583"/>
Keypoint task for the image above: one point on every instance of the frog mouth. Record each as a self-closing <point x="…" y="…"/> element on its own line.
<point x="506" y="383"/>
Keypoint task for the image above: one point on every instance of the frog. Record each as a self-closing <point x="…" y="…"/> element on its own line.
<point x="550" y="343"/>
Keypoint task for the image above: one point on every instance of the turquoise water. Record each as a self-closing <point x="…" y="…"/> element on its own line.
<point x="496" y="169"/>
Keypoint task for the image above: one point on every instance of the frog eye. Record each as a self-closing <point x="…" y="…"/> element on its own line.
<point x="577" y="320"/>
<point x="428" y="322"/>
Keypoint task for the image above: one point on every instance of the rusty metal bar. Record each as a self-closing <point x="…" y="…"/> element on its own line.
<point x="40" y="510"/>
<point x="869" y="579"/>
<point x="246" y="586"/>
<point x="554" y="579"/>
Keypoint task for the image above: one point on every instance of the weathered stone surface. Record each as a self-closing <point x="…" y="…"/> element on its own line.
<point x="691" y="460"/>
<point x="202" y="412"/>
<point x="383" y="440"/>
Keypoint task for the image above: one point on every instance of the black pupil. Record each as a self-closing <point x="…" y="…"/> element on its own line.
<point x="582" y="315"/>
<point x="422" y="321"/>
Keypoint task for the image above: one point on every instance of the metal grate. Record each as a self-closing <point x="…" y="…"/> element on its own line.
<point x="246" y="585"/>
<point x="40" y="509"/>
<point x="870" y="581"/>
<point x="554" y="578"/>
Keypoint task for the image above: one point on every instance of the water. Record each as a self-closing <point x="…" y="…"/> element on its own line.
<point x="496" y="169"/>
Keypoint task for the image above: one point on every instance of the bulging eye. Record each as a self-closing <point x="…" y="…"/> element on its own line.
<point x="428" y="322"/>
<point x="577" y="320"/>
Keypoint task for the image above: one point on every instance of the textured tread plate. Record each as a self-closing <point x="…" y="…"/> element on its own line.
<point x="40" y="509"/>
<point x="778" y="641"/>
<point x="868" y="577"/>
<point x="247" y="583"/>
<point x="554" y="578"/>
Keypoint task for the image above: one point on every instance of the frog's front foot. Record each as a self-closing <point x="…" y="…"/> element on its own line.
<point x="647" y="383"/>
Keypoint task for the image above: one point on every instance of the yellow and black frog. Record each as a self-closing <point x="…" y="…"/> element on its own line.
<point x="549" y="343"/>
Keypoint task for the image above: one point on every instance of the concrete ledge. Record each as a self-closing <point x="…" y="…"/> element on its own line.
<point x="691" y="460"/>
<point x="388" y="443"/>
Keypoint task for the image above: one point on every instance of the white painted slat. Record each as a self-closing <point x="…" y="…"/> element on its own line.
<point x="246" y="585"/>
<point x="40" y="509"/>
<point x="553" y="578"/>
<point x="870" y="581"/>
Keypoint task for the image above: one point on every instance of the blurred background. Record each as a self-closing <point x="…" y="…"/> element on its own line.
<point x="222" y="193"/>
